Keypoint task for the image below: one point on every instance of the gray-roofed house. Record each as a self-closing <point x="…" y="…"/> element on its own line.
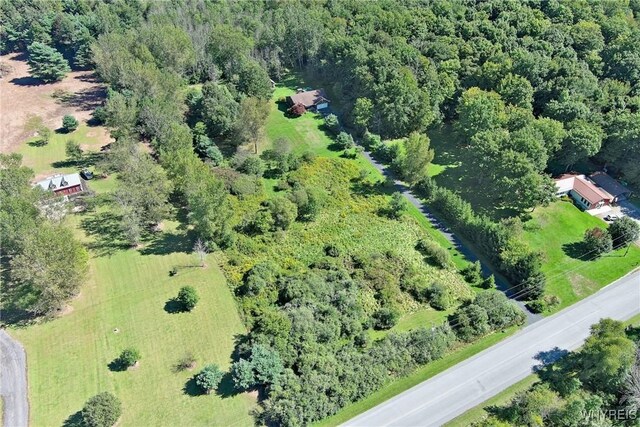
<point x="63" y="185"/>
<point x="611" y="186"/>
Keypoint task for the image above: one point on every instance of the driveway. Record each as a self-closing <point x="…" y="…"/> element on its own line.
<point x="467" y="251"/>
<point x="629" y="209"/>
<point x="13" y="382"/>
<point x="469" y="383"/>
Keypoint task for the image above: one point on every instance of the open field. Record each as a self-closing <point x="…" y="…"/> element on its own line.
<point x="23" y="96"/>
<point x="572" y="273"/>
<point x="125" y="303"/>
<point x="69" y="357"/>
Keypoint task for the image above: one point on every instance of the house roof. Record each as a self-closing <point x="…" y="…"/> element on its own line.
<point x="609" y="184"/>
<point x="58" y="182"/>
<point x="309" y="98"/>
<point x="589" y="190"/>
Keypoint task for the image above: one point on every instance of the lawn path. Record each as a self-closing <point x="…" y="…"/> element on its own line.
<point x="464" y="249"/>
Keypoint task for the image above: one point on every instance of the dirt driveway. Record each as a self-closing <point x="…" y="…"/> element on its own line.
<point x="21" y="96"/>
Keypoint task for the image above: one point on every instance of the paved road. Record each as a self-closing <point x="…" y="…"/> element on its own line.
<point x="447" y="233"/>
<point x="467" y="384"/>
<point x="13" y="382"/>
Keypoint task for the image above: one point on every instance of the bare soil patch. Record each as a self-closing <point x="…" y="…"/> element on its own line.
<point x="22" y="95"/>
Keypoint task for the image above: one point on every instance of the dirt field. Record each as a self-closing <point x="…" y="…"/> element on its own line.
<point x="21" y="96"/>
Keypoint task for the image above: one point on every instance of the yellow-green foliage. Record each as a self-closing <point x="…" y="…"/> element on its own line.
<point x="352" y="221"/>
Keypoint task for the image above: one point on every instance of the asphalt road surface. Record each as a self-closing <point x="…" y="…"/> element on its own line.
<point x="469" y="383"/>
<point x="13" y="382"/>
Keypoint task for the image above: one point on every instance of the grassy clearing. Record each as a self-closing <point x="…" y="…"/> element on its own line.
<point x="51" y="158"/>
<point x="557" y="231"/>
<point x="420" y="375"/>
<point x="129" y="290"/>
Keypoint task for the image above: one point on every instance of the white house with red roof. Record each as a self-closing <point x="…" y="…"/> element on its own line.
<point x="585" y="192"/>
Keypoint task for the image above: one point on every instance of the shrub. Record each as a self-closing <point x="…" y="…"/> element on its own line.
<point x="73" y="150"/>
<point x="245" y="185"/>
<point x="283" y="211"/>
<point x="102" y="410"/>
<point x="188" y="297"/>
<point x="69" y="123"/>
<point x="385" y="318"/>
<point x="209" y="378"/>
<point x="100" y="115"/>
<point x="472" y="273"/>
<point x="537" y="306"/>
<point x="441" y="297"/>
<point x="344" y="141"/>
<point x="332" y="124"/>
<point x="332" y="250"/>
<point x="434" y="253"/>
<point x="471" y="322"/>
<point x="188" y="361"/>
<point x="213" y="154"/>
<point x="597" y="241"/>
<point x="252" y="165"/>
<point x="397" y="205"/>
<point x="129" y="357"/>
<point x="243" y="375"/>
<point x="489" y="282"/>
<point x="371" y="141"/>
<point x="623" y="231"/>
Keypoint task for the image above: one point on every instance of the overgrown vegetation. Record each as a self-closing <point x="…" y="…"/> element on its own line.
<point x="327" y="255"/>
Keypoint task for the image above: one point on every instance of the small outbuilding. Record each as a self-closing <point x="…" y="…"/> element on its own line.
<point x="618" y="191"/>
<point x="63" y="185"/>
<point x="311" y="99"/>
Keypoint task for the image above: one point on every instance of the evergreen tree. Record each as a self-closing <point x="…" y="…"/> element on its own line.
<point x="46" y="63"/>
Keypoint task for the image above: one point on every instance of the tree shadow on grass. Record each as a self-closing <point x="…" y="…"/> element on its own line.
<point x="165" y="243"/>
<point x="36" y="143"/>
<point x="191" y="388"/>
<point x="227" y="388"/>
<point x="575" y="250"/>
<point x="87" y="160"/>
<point x="116" y="365"/>
<point x="105" y="228"/>
<point x="74" y="420"/>
<point x="173" y="306"/>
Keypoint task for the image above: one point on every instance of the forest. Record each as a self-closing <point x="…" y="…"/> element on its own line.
<point x="530" y="89"/>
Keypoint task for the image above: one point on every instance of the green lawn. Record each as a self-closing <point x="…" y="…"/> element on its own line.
<point x="421" y="374"/>
<point x="572" y="273"/>
<point x="51" y="158"/>
<point x="68" y="357"/>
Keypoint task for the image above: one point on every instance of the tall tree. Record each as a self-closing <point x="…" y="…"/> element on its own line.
<point x="249" y="127"/>
<point x="50" y="268"/>
<point x="46" y="63"/>
<point x="415" y="158"/>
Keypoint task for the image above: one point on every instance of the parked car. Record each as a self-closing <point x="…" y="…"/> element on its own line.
<point x="86" y="174"/>
<point x="611" y="218"/>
